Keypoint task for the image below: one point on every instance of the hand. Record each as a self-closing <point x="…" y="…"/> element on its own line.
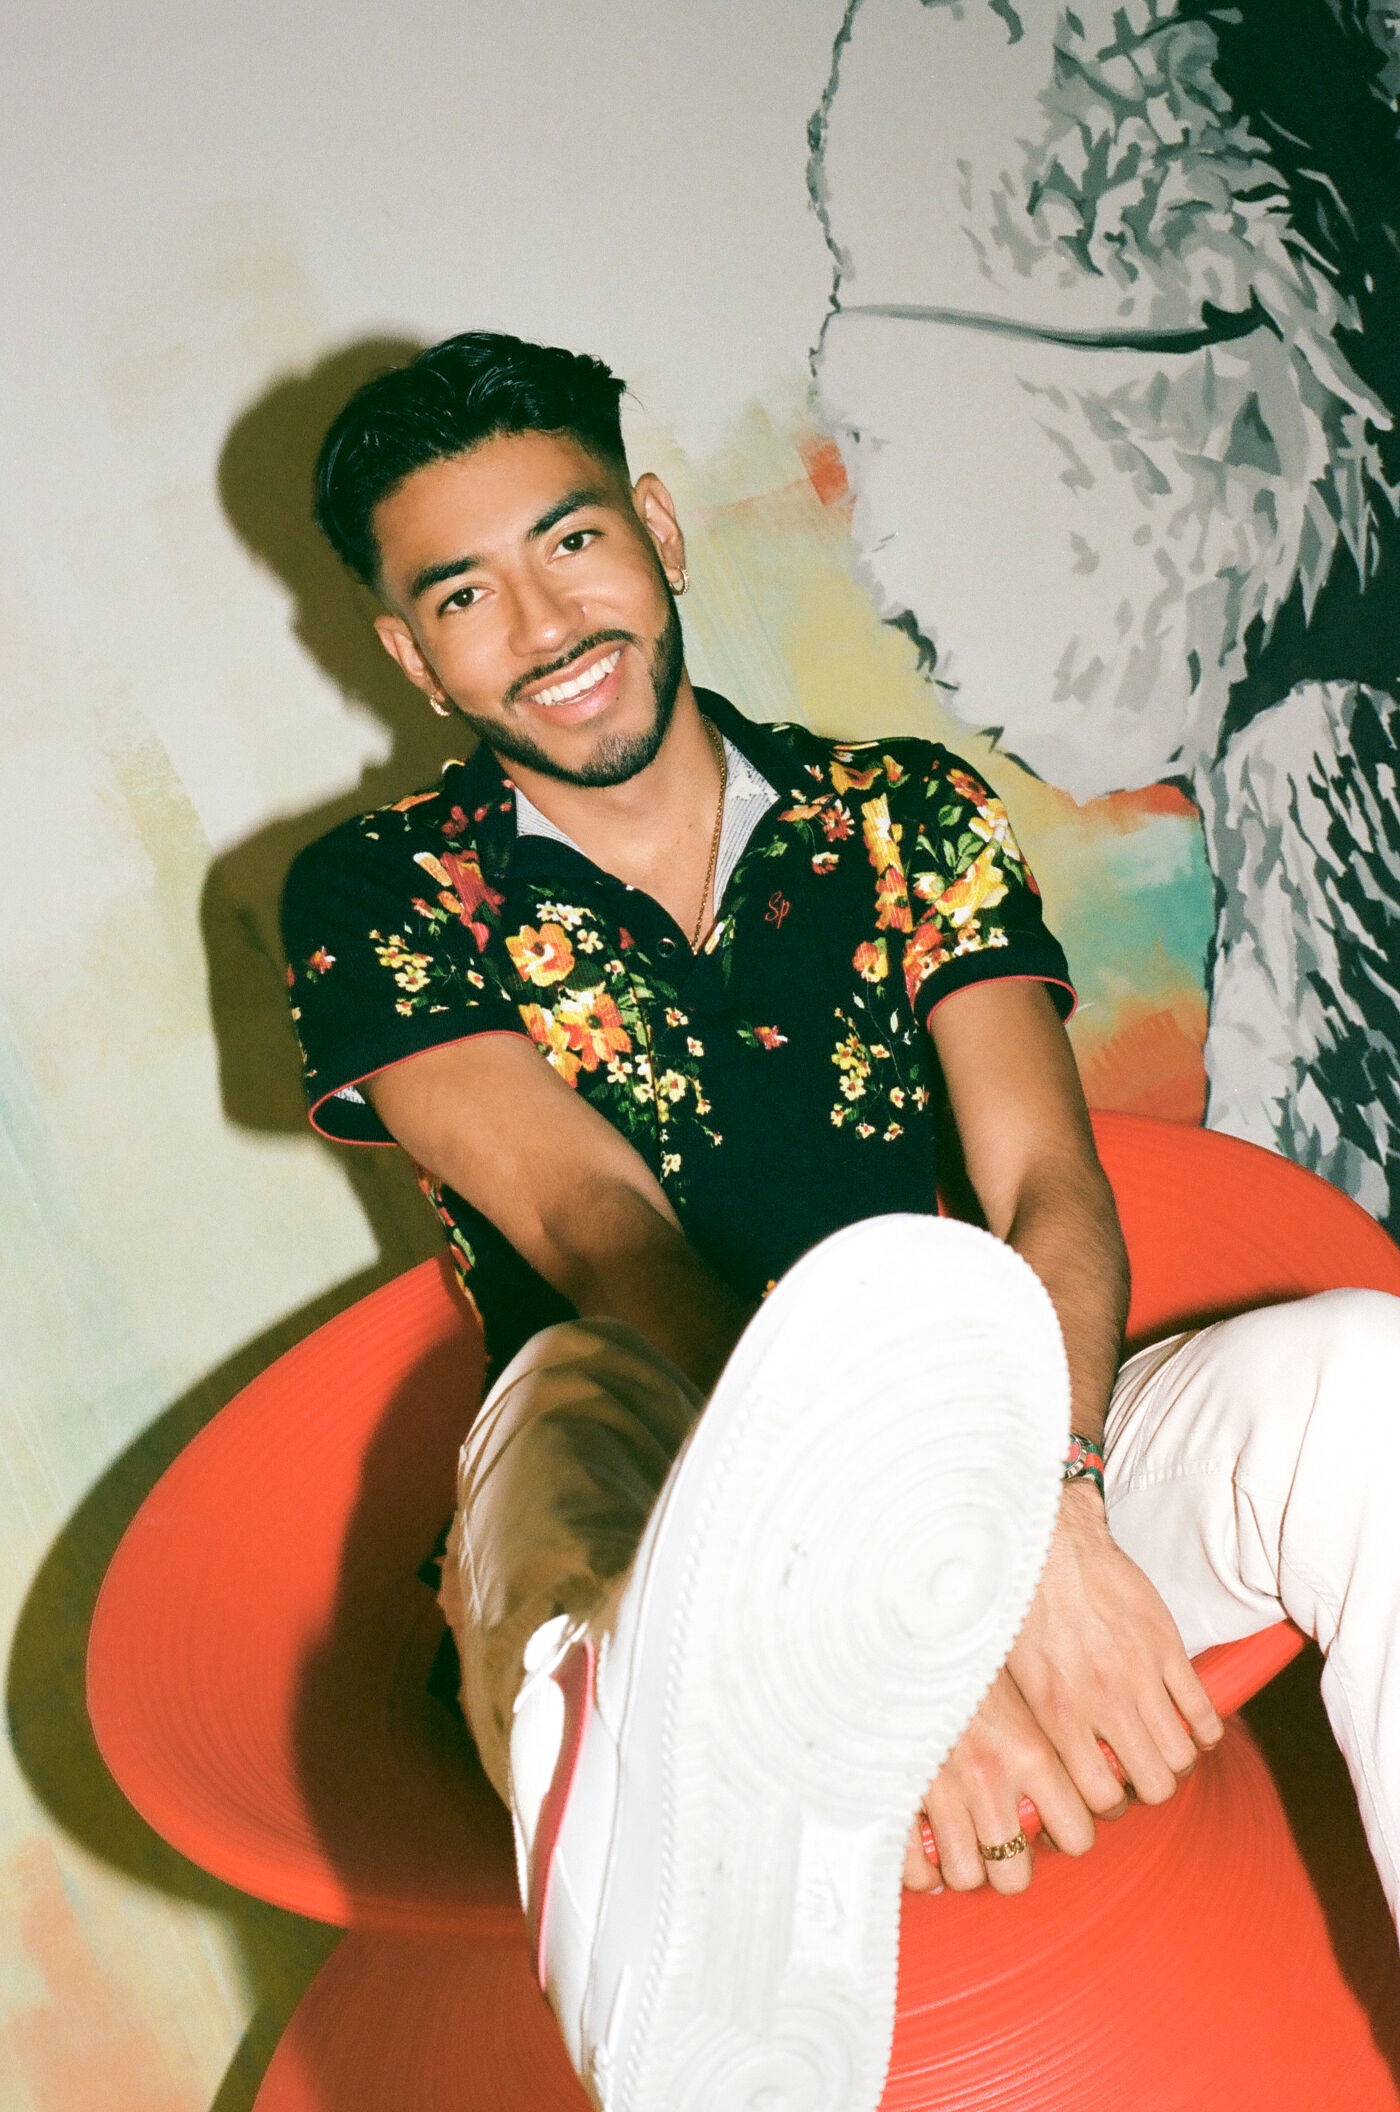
<point x="1098" y="1658"/>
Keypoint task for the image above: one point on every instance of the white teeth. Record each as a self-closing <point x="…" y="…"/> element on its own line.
<point x="565" y="692"/>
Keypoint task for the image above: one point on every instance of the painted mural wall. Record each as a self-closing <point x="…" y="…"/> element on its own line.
<point x="1094" y="483"/>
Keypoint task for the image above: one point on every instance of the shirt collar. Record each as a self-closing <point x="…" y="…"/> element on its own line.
<point x="488" y="792"/>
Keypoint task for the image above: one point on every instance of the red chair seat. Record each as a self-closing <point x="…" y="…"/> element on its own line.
<point x="259" y="1654"/>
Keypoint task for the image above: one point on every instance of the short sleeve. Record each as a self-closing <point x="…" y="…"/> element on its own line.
<point x="386" y="956"/>
<point x="975" y="908"/>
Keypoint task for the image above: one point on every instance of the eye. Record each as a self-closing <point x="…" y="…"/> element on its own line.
<point x="459" y="598"/>
<point x="577" y="539"/>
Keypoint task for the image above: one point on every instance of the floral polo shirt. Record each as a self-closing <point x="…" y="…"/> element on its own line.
<point x="780" y="1084"/>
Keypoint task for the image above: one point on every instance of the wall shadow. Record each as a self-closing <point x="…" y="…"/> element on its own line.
<point x="53" y="1741"/>
<point x="265" y="486"/>
<point x="264" y="481"/>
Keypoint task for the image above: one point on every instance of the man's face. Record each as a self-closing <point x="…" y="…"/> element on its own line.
<point x="527" y="584"/>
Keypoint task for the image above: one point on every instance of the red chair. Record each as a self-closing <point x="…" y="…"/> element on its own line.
<point x="257" y="1680"/>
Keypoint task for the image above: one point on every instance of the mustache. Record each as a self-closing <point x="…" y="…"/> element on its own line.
<point x="558" y="667"/>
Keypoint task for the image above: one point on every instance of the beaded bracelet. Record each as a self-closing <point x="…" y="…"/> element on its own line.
<point x="1083" y="1462"/>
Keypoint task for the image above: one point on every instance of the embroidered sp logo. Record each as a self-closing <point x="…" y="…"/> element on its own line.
<point x="778" y="907"/>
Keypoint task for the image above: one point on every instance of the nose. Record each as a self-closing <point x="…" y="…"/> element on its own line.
<point x="541" y="616"/>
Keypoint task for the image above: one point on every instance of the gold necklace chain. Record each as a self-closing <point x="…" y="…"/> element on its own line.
<point x="717" y="743"/>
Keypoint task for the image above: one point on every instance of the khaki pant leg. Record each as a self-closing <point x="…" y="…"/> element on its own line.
<point x="555" y="1484"/>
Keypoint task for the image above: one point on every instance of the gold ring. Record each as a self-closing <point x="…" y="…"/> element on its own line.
<point x="1002" y="1851"/>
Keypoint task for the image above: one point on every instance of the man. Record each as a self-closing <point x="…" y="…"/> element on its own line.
<point x="666" y="1006"/>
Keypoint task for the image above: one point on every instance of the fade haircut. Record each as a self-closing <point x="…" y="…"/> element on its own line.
<point x="446" y="401"/>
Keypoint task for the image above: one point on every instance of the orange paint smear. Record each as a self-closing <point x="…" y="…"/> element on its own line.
<point x="1150" y="1064"/>
<point x="826" y="472"/>
<point x="1127" y="810"/>
<point x="85" y="2046"/>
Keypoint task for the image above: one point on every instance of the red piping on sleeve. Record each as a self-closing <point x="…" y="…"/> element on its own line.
<point x="389" y="1143"/>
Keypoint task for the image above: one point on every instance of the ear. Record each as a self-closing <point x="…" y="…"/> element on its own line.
<point x="656" y="511"/>
<point x="400" y="644"/>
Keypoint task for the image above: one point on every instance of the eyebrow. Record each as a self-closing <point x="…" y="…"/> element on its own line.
<point x="453" y="567"/>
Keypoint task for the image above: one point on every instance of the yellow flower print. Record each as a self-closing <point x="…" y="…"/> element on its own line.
<point x="981" y="887"/>
<point x="882" y="844"/>
<point x="434" y="866"/>
<point x="847" y="780"/>
<point x="542" y="957"/>
<point x="409" y="970"/>
<point x="880" y="833"/>
<point x="548" y="1034"/>
<point x="993" y="824"/>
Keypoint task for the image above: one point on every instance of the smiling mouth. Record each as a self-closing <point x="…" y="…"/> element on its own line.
<point x="580" y="686"/>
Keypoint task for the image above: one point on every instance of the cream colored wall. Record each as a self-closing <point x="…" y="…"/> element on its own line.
<point x="209" y="212"/>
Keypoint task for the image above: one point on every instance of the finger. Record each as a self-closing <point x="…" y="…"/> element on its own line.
<point x="959" y="1857"/>
<point x="1066" y="1819"/>
<point x="1153" y="1779"/>
<point x="999" y="1827"/>
<point x="1091" y="1770"/>
<point x="1170" y="1735"/>
<point x="920" y="1875"/>
<point x="1190" y="1697"/>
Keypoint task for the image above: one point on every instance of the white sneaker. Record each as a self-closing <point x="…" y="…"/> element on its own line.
<point x="713" y="1782"/>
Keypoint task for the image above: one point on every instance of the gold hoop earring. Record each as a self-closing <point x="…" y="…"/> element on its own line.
<point x="678" y="586"/>
<point x="440" y="704"/>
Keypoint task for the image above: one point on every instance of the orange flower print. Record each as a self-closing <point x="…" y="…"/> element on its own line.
<point x="592" y="1026"/>
<point x="836" y="823"/>
<point x="462" y="888"/>
<point x="465" y="879"/>
<point x="980" y="887"/>
<point x="548" y="1034"/>
<point x="320" y="961"/>
<point x="542" y="957"/>
<point x="871" y="960"/>
<point x="805" y="812"/>
<point x="892" y="901"/>
<point x="770" y="1037"/>
<point x="845" y="779"/>
<point x="825" y="861"/>
<point x="894" y="772"/>
<point x="967" y="787"/>
<point x="927" y="950"/>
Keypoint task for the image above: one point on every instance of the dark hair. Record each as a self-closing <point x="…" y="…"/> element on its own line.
<point x="444" y="402"/>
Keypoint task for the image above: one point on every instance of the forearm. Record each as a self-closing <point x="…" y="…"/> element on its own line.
<point x="1066" y="1227"/>
<point x="614" y="1253"/>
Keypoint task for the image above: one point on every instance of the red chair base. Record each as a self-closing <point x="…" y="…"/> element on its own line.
<point x="1183" y="1966"/>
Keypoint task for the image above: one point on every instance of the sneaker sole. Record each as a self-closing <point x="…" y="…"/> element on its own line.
<point x="765" y="1852"/>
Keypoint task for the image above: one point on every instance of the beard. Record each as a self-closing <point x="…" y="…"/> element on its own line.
<point x="620" y="756"/>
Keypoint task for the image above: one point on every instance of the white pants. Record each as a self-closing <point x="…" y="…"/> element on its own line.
<point x="1252" y="1470"/>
